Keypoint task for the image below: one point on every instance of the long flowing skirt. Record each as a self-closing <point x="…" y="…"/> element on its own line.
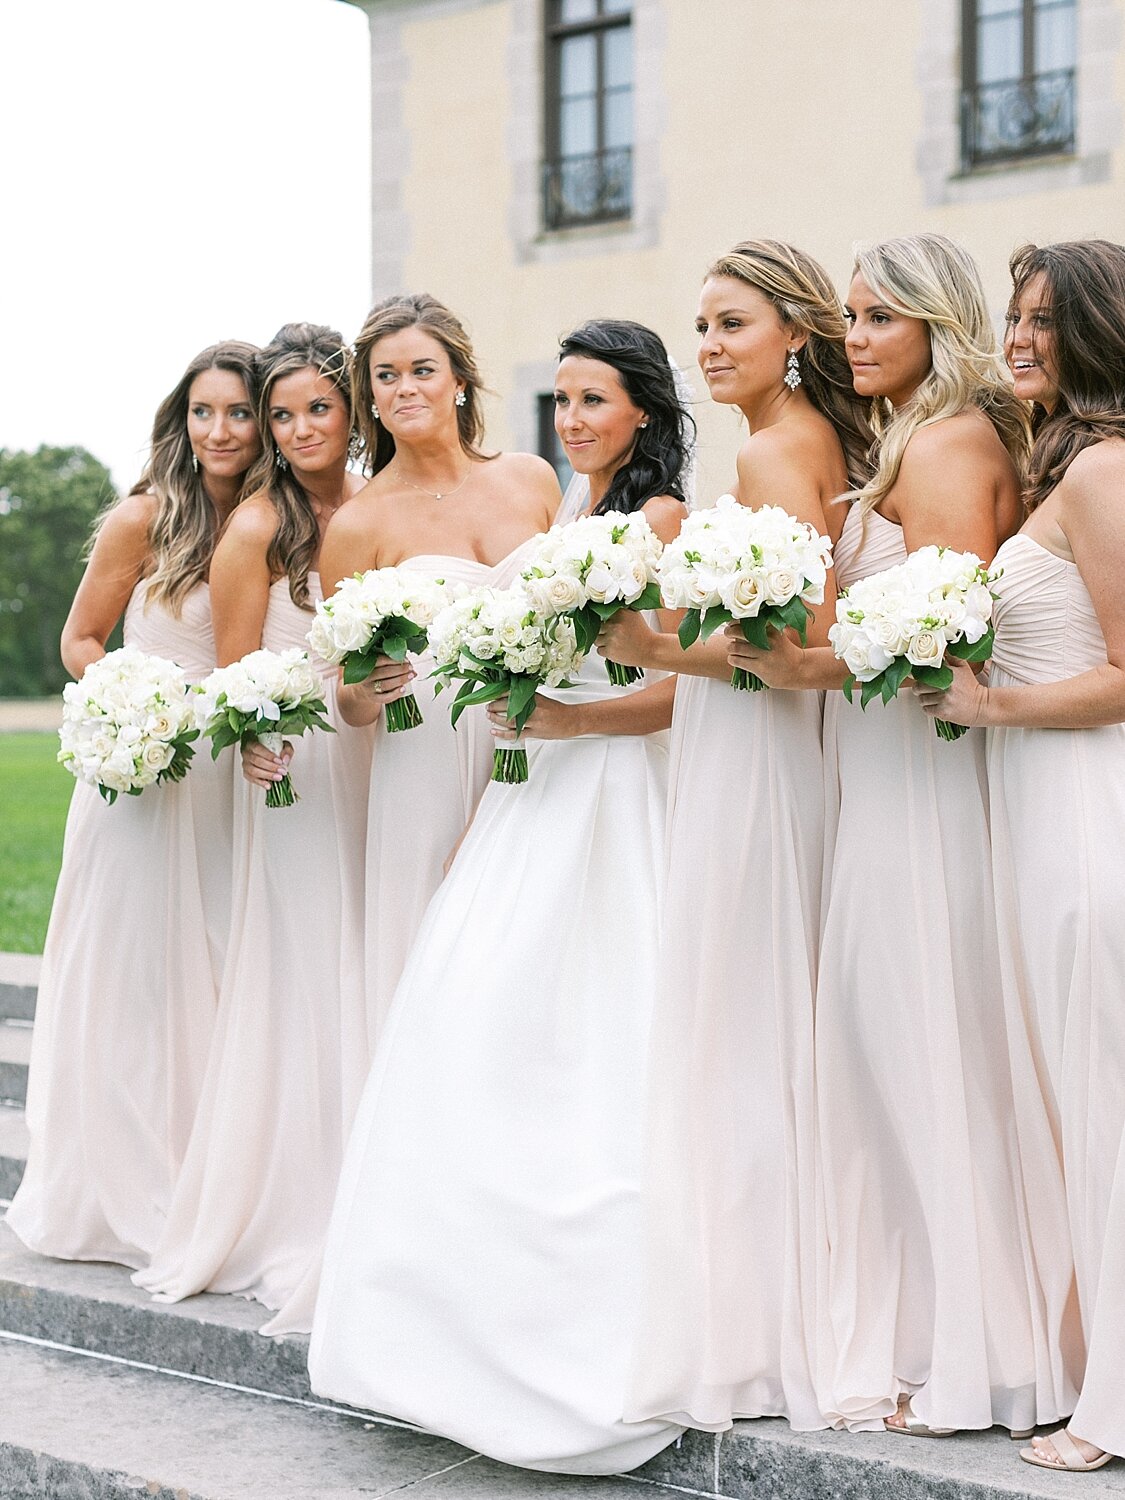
<point x="480" y="1277"/>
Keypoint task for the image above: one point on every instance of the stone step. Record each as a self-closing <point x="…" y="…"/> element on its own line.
<point x="96" y="1431"/>
<point x="15" y="1054"/>
<point x="13" y="1150"/>
<point x="96" y="1308"/>
<point x="19" y="983"/>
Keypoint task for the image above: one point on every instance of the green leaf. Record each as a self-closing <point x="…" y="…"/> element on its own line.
<point x="712" y="619"/>
<point x="521" y="696"/>
<point x="359" y="665"/>
<point x="689" y="629"/>
<point x="871" y="690"/>
<point x="756" y="631"/>
<point x="849" y="684"/>
<point x="935" y="677"/>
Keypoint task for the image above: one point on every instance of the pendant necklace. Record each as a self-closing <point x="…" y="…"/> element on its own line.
<point x="434" y="494"/>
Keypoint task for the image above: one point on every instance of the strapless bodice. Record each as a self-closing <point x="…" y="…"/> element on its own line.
<point x="186" y="639"/>
<point x="470" y="570"/>
<point x="1046" y="626"/>
<point x="287" y="625"/>
<point x="868" y="548"/>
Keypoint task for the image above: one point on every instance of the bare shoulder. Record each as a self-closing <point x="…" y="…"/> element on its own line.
<point x="767" y="458"/>
<point x="1100" y="466"/>
<point x="253" y="523"/>
<point x="665" y="514"/>
<point x="968" y="435"/>
<point x="522" y="467"/>
<point x="127" y="523"/>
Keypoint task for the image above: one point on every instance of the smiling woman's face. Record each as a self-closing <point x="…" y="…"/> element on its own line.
<point x="1029" y="343"/>
<point x="309" y="420"/>
<point x="595" y="417"/>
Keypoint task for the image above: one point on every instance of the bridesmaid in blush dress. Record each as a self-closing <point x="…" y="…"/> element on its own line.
<point x="730" y="1185"/>
<point x="480" y="1272"/>
<point x="136" y="942"/>
<point x="253" y="1196"/>
<point x="1054" y="710"/>
<point x="930" y="1314"/>
<point x="437" y="505"/>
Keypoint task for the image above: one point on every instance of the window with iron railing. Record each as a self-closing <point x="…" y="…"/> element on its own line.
<point x="588" y="136"/>
<point x="1018" y="80"/>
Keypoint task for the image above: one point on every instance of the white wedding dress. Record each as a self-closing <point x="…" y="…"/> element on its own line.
<point x="481" y="1273"/>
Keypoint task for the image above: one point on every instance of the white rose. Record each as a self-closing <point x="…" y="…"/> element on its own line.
<point x="157" y="756"/>
<point x="926" y="649"/>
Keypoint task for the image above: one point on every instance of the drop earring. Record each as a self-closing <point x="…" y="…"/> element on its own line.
<point x="355" y="447"/>
<point x="374" y="412"/>
<point x="792" y="372"/>
<point x="279" y="459"/>
<point x="460" y="398"/>
<point x="195" y="462"/>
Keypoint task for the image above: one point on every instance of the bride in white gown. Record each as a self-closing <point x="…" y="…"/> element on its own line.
<point x="482" y="1262"/>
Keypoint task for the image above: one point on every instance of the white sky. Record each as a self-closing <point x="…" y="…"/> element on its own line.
<point x="173" y="172"/>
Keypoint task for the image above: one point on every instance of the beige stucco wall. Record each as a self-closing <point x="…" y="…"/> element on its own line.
<point x="819" y="121"/>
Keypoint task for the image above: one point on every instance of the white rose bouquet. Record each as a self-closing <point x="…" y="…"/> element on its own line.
<point x="592" y="568"/>
<point x="760" y="567"/>
<point x="496" y="642"/>
<point x="127" y="723"/>
<point x="384" y="612"/>
<point x="904" y="622"/>
<point x="265" y="696"/>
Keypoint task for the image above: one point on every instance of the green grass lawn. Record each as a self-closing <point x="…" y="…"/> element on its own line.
<point x="34" y="796"/>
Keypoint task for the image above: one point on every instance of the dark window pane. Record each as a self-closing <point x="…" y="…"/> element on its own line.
<point x="578" y="126"/>
<point x="616" y="7"/>
<point x="570" y="11"/>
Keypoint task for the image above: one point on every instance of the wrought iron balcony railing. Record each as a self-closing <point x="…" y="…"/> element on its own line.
<point x="1022" y="118"/>
<point x="588" y="189"/>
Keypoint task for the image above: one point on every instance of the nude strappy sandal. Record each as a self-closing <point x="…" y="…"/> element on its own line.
<point x="1070" y="1460"/>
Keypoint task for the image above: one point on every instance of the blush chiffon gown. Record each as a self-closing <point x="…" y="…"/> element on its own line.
<point x="480" y="1277"/>
<point x="1058" y="830"/>
<point x="129" y="987"/>
<point x="929" y="1287"/>
<point x="253" y="1198"/>
<point x="730" y="1268"/>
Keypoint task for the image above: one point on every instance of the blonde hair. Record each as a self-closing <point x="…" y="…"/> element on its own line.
<point x="928" y="277"/>
<point x="803" y="296"/>
<point x="184" y="527"/>
<point x="295" y="346"/>
<point x="416" y="310"/>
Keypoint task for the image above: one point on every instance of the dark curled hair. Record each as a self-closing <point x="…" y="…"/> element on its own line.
<point x="1086" y="279"/>
<point x="656" y="465"/>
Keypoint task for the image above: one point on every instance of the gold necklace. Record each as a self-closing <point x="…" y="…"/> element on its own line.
<point x="434" y="494"/>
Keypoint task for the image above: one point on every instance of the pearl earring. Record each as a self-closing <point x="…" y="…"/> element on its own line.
<point x="460" y="398"/>
<point x="792" y="373"/>
<point x="641" y="425"/>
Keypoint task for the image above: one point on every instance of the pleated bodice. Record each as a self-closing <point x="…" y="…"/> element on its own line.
<point x="866" y="548"/>
<point x="186" y="639"/>
<point x="1046" y="627"/>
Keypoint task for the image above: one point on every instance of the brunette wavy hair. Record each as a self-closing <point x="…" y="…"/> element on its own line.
<point x="660" y="453"/>
<point x="1086" y="282"/>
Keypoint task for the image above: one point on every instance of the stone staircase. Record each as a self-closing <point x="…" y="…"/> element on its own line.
<point x="106" y="1395"/>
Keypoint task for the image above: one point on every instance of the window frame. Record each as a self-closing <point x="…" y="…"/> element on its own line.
<point x="973" y="159"/>
<point x="555" y="32"/>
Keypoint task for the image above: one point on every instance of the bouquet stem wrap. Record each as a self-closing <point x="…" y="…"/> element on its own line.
<point x="281" y="793"/>
<point x="509" y="764"/>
